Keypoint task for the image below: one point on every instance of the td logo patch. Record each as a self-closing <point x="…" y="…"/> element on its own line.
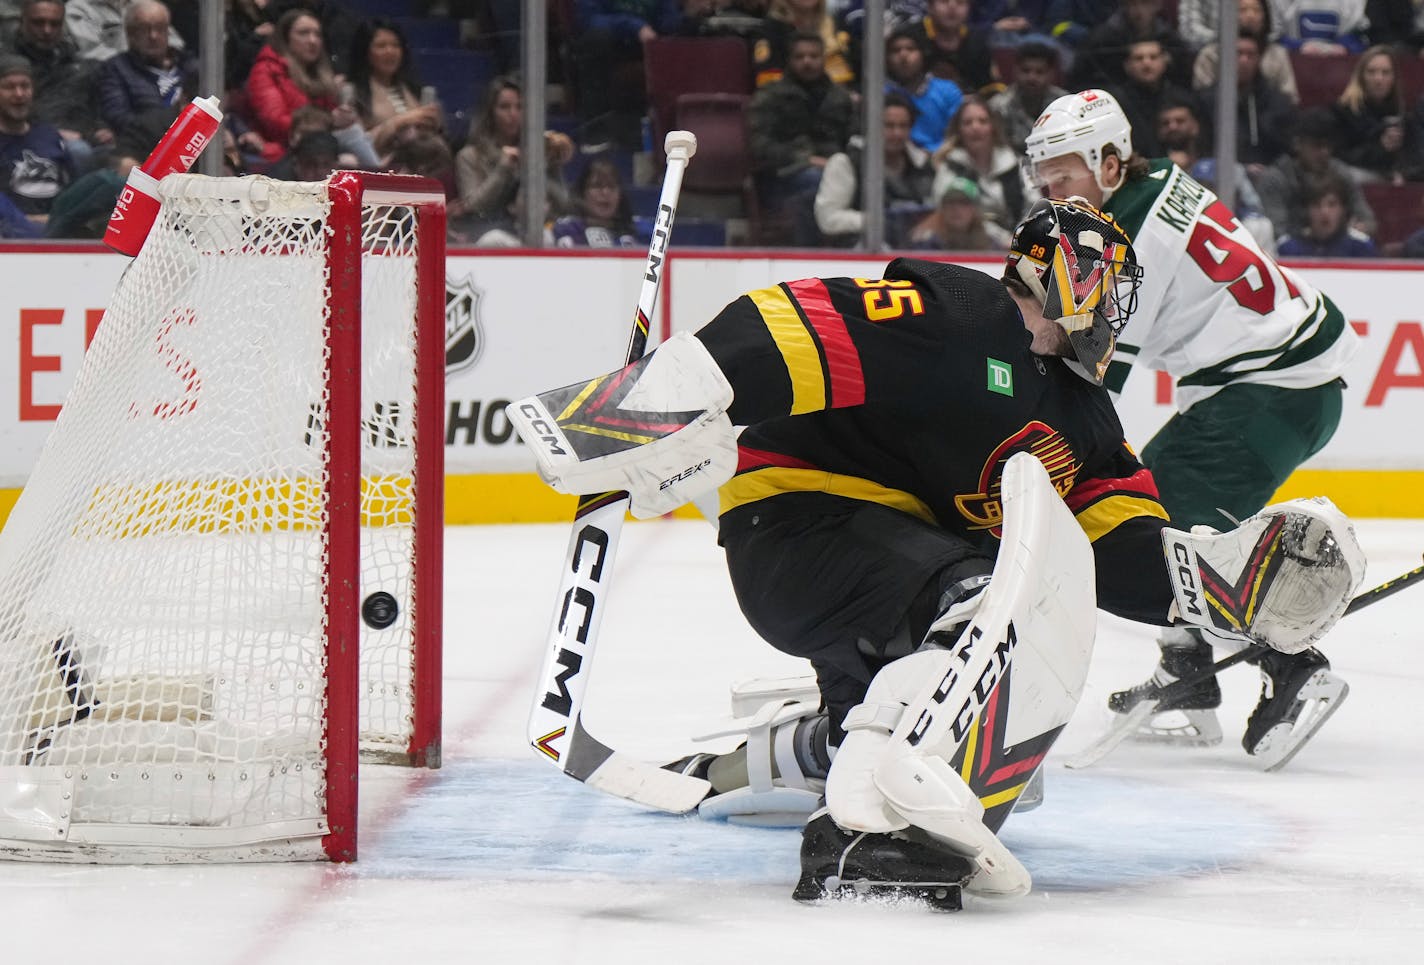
<point x="1001" y="377"/>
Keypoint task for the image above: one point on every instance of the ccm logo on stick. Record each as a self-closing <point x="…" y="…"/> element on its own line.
<point x="661" y="229"/>
<point x="591" y="547"/>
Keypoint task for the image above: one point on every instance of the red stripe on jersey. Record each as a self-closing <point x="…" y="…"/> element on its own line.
<point x="1087" y="491"/>
<point x="748" y="459"/>
<point x="843" y="372"/>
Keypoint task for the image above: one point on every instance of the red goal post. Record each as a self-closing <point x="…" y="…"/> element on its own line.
<point x="225" y="570"/>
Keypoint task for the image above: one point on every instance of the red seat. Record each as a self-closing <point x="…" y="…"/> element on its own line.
<point x="723" y="144"/>
<point x="1397" y="209"/>
<point x="1321" y="79"/>
<point x="1411" y="78"/>
<point x="674" y="66"/>
<point x="724" y="162"/>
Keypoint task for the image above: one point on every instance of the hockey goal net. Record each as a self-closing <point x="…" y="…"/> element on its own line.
<point x="222" y="580"/>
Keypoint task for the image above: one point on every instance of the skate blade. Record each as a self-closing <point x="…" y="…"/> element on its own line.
<point x="1117" y="732"/>
<point x="1321" y="695"/>
<point x="1032" y="794"/>
<point x="941" y="896"/>
<point x="1182" y="728"/>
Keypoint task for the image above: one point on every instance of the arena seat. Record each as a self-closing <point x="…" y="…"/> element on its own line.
<point x="675" y="66"/>
<point x="1321" y="79"/>
<point x="1397" y="208"/>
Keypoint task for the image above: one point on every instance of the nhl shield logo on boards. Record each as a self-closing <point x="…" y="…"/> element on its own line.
<point x="464" y="333"/>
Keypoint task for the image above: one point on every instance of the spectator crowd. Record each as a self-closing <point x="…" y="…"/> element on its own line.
<point x="1328" y="113"/>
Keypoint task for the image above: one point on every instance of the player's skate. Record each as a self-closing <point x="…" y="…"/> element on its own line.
<point x="1190" y="719"/>
<point x="1298" y="695"/>
<point x="909" y="864"/>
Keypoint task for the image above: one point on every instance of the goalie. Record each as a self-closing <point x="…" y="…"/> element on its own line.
<point x="929" y="501"/>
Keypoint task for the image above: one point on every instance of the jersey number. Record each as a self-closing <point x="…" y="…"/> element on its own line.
<point x="1223" y="258"/>
<point x="888" y="299"/>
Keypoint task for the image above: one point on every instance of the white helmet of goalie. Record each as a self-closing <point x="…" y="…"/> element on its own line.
<point x="1084" y="124"/>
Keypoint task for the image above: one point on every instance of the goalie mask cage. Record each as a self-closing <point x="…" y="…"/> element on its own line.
<point x="223" y="579"/>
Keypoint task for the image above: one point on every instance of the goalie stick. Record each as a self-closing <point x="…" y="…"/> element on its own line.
<point x="556" y="728"/>
<point x="1127" y="723"/>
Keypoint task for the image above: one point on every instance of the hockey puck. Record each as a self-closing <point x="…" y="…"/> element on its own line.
<point x="380" y="610"/>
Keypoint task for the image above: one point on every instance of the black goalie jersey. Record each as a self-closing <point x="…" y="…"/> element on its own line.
<point x="913" y="391"/>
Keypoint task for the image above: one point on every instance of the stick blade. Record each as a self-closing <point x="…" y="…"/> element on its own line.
<point x="596" y="764"/>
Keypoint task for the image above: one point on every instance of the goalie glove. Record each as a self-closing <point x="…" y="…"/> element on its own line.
<point x="657" y="429"/>
<point x="1282" y="578"/>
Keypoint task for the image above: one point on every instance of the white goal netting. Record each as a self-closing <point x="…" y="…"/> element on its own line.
<point x="164" y="671"/>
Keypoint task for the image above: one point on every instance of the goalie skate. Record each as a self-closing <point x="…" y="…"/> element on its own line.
<point x="837" y="863"/>
<point x="1298" y="695"/>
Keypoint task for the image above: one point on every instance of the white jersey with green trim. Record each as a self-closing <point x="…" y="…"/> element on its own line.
<point x="1213" y="308"/>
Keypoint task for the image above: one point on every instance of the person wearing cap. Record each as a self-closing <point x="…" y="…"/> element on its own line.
<point x="35" y="164"/>
<point x="957" y="223"/>
<point x="909" y="177"/>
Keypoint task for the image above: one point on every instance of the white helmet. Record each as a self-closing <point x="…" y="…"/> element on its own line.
<point x="1082" y="124"/>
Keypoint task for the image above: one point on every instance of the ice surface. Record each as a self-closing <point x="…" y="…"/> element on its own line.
<point x="1165" y="855"/>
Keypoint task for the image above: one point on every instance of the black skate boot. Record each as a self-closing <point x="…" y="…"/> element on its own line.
<point x="1184" y="652"/>
<point x="902" y="864"/>
<point x="1298" y="694"/>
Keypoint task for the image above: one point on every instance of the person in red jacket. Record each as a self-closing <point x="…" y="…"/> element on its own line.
<point x="294" y="71"/>
<point x="291" y="71"/>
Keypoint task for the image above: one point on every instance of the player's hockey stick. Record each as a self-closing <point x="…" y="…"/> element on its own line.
<point x="556" y="728"/>
<point x="1126" y="724"/>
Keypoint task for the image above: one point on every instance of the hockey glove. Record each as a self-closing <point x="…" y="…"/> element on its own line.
<point x="1282" y="578"/>
<point x="657" y="429"/>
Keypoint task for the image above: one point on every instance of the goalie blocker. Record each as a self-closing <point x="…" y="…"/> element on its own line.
<point x="656" y="429"/>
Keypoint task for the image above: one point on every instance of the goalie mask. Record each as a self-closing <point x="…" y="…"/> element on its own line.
<point x="1081" y="267"/>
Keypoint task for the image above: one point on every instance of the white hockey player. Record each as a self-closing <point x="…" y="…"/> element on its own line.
<point x="929" y="501"/>
<point x="1257" y="354"/>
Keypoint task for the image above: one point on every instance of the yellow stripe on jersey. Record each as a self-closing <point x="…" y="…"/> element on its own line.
<point x="1105" y="515"/>
<point x="748" y="487"/>
<point x="797" y="348"/>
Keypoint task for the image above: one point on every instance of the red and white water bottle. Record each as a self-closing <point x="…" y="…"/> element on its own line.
<point x="137" y="207"/>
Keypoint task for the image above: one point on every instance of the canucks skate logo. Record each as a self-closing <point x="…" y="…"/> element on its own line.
<point x="464" y="332"/>
<point x="36" y="177"/>
<point x="985" y="508"/>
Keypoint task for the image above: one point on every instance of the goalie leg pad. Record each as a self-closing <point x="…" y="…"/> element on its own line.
<point x="1282" y="578"/>
<point x="1038" y="618"/>
<point x="656" y="429"/>
<point x="932" y="797"/>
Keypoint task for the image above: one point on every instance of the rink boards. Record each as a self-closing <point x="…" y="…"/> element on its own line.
<point x="522" y="321"/>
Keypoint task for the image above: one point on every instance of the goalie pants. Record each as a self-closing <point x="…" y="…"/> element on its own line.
<point x="848" y="585"/>
<point x="1233" y="450"/>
